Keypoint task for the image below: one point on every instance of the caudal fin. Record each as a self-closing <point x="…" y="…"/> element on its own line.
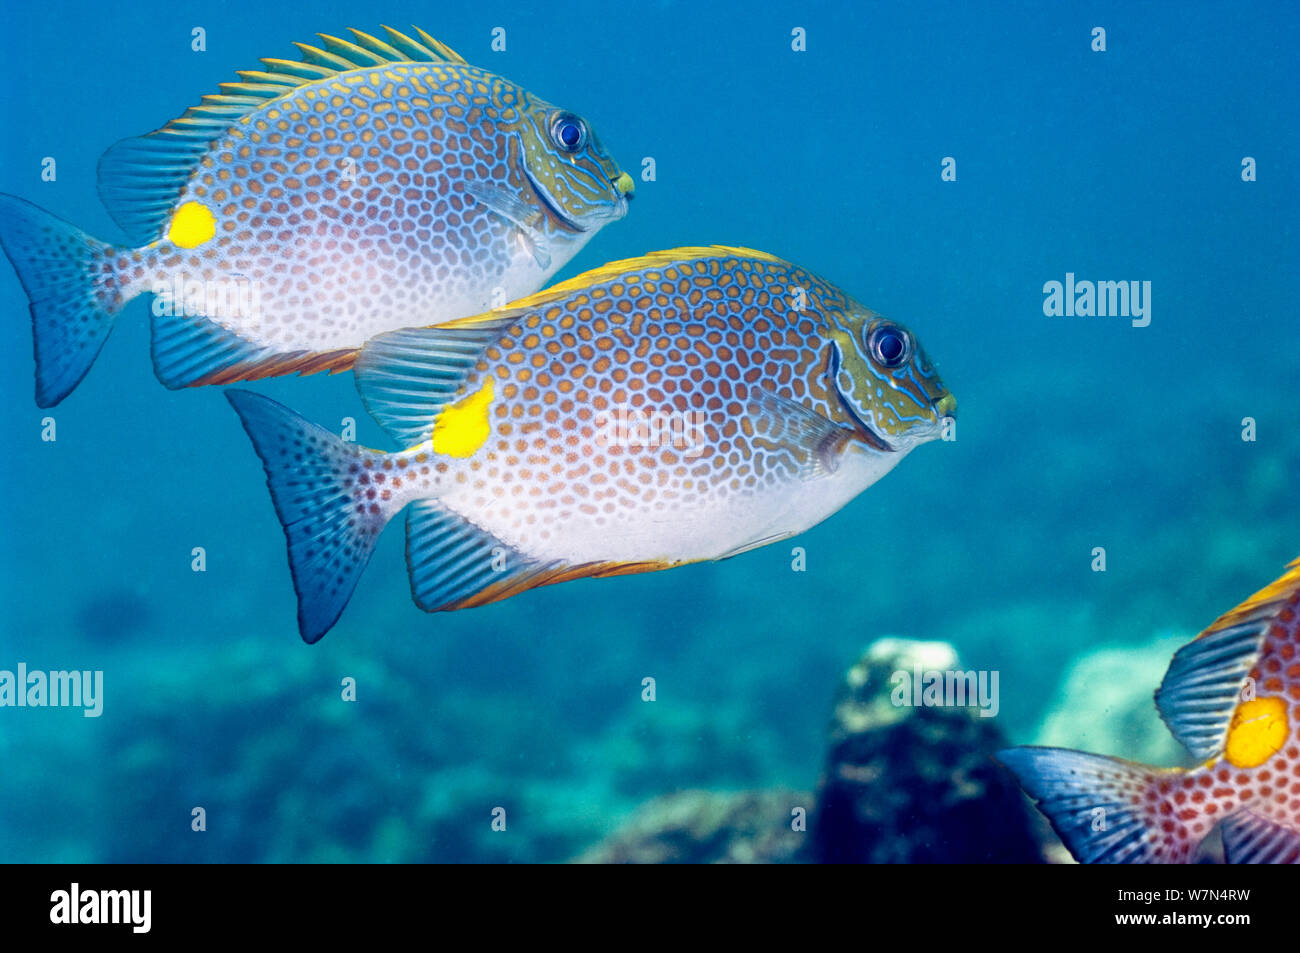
<point x="72" y="305"/>
<point x="1107" y="811"/>
<point x="331" y="529"/>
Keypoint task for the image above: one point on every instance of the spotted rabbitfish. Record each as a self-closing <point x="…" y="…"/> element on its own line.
<point x="1232" y="698"/>
<point x="684" y="406"/>
<point x="376" y="184"/>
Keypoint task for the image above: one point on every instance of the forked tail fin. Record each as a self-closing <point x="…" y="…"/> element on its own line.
<point x="1106" y="810"/>
<point x="314" y="478"/>
<point x="65" y="274"/>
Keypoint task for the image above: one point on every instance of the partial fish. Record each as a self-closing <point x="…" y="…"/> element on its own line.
<point x="1232" y="697"/>
<point x="684" y="406"/>
<point x="379" y="183"/>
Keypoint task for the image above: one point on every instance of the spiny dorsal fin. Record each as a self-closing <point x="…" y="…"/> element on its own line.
<point x="1203" y="686"/>
<point x="141" y="178"/>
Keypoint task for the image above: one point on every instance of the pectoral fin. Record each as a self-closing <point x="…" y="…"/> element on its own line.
<point x="781" y="425"/>
<point x="513" y="210"/>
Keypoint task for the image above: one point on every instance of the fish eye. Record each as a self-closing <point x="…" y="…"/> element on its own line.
<point x="889" y="345"/>
<point x="569" y="132"/>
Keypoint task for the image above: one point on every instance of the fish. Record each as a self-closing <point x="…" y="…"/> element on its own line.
<point x="684" y="406"/>
<point x="1231" y="696"/>
<point x="280" y="223"/>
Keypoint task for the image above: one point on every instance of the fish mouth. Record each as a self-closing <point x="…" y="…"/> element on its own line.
<point x="945" y="408"/>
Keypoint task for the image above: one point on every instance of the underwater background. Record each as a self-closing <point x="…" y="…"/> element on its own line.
<point x="1074" y="432"/>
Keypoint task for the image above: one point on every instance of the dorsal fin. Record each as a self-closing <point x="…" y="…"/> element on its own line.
<point x="1264" y="604"/>
<point x="141" y="178"/>
<point x="1203" y="686"/>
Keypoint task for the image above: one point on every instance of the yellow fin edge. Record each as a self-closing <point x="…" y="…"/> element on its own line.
<point x="1275" y="593"/>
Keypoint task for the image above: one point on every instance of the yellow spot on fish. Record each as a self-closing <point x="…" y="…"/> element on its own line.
<point x="463" y="427"/>
<point x="192" y="225"/>
<point x="1257" y="732"/>
<point x="624" y="183"/>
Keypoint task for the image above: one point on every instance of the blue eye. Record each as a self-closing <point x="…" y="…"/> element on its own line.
<point x="889" y="345"/>
<point x="569" y="132"/>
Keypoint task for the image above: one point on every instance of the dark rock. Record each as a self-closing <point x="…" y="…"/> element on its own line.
<point x="915" y="784"/>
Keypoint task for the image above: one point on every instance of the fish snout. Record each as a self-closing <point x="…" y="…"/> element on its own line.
<point x="624" y="192"/>
<point x="945" y="406"/>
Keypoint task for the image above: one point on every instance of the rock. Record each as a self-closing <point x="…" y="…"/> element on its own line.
<point x="1105" y="704"/>
<point x="906" y="784"/>
<point x="708" y="827"/>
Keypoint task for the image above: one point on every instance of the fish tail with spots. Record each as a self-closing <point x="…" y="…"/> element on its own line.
<point x="331" y="517"/>
<point x="1232" y="697"/>
<point x="334" y="498"/>
<point x="73" y="290"/>
<point x="1106" y="810"/>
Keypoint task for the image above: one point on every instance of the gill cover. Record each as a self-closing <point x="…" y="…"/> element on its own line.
<point x="570" y="170"/>
<point x="883" y="377"/>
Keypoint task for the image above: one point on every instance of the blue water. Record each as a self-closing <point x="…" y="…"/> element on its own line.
<point x="1074" y="432"/>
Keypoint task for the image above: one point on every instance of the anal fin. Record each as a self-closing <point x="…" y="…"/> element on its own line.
<point x="1251" y="839"/>
<point x="192" y="351"/>
<point x="455" y="564"/>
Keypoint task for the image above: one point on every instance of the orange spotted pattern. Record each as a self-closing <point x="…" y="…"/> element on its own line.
<point x="697" y="340"/>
